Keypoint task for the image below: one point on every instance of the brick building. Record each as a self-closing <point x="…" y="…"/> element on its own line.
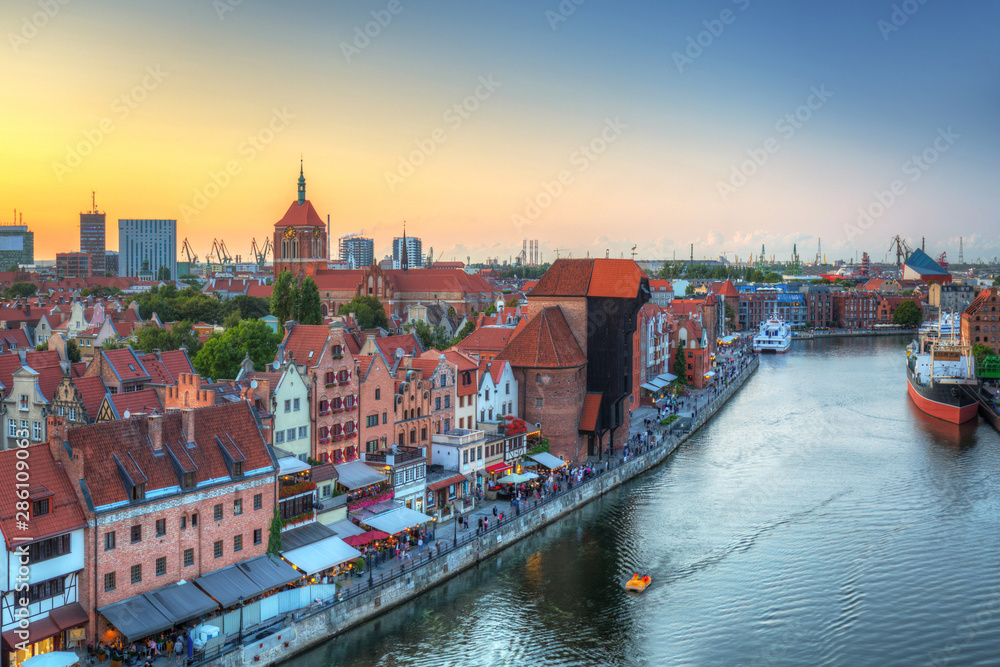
<point x="76" y="265"/>
<point x="300" y="238"/>
<point x="168" y="498"/>
<point x="377" y="405"/>
<point x="413" y="406"/>
<point x="979" y="321"/>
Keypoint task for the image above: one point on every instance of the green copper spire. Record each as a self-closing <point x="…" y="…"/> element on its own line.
<point x="302" y="185"/>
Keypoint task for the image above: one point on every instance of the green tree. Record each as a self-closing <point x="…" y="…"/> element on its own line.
<point x="221" y="355"/>
<point x="73" y="351"/>
<point x="689" y="290"/>
<point x="310" y="308"/>
<point x="112" y="344"/>
<point x="680" y="364"/>
<point x="730" y="317"/>
<point x="367" y="310"/>
<point x="163" y="273"/>
<point x="232" y="319"/>
<point x="512" y="302"/>
<point x="981" y="352"/>
<point x="283" y="297"/>
<point x="491" y="310"/>
<point x="274" y="534"/>
<point x="466" y="329"/>
<point x="429" y="337"/>
<point x="100" y="292"/>
<point x="996" y="281"/>
<point x="22" y="290"/>
<point x="152" y="337"/>
<point x="773" y="277"/>
<point x="757" y="276"/>
<point x="908" y="314"/>
<point x="13" y="268"/>
<point x="249" y="307"/>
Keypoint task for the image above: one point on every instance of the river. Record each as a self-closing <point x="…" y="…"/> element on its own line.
<point x="818" y="519"/>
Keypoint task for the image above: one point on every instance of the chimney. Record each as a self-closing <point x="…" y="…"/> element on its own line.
<point x="156" y="432"/>
<point x="187" y="422"/>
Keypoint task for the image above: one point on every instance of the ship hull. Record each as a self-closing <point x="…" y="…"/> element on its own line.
<point x="939" y="401"/>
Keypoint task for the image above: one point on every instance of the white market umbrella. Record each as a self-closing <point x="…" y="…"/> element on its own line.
<point x="53" y="659"/>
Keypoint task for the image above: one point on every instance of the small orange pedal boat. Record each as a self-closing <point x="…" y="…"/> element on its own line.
<point x="637" y="583"/>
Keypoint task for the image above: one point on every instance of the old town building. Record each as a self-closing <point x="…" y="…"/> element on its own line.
<point x="981" y="320"/>
<point x="300" y="238"/>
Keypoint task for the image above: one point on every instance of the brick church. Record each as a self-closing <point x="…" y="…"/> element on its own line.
<point x="301" y="238"/>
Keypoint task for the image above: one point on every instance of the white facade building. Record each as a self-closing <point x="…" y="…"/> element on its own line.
<point x="497" y="394"/>
<point x="146" y="245"/>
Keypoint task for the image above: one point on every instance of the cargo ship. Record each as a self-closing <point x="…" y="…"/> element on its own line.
<point x="939" y="375"/>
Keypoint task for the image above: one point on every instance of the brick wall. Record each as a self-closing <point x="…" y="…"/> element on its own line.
<point x="561" y="392"/>
<point x="377" y="399"/>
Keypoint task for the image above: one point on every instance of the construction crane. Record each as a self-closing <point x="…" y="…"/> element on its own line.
<point x="260" y="252"/>
<point x="559" y="250"/>
<point x="226" y="257"/>
<point x="188" y="250"/>
<point x="902" y="252"/>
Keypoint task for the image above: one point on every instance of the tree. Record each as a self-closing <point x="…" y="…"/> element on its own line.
<point x="689" y="290"/>
<point x="466" y="329"/>
<point x="996" y="281"/>
<point x="152" y="337"/>
<point x="908" y="314"/>
<point x="429" y="337"/>
<point x="274" y="534"/>
<point x="13" y="268"/>
<point x="981" y="352"/>
<point x="368" y="312"/>
<point x="232" y="319"/>
<point x="490" y="310"/>
<point x="680" y="364"/>
<point x="249" y="307"/>
<point x="730" y="317"/>
<point x="101" y="292"/>
<point x="112" y="344"/>
<point x="512" y="302"/>
<point x="23" y="290"/>
<point x="283" y="297"/>
<point x="222" y="354"/>
<point x="73" y="351"/>
<point x="310" y="309"/>
<point x="163" y="273"/>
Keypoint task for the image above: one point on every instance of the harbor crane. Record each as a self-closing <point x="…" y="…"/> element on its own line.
<point x="188" y="250"/>
<point x="902" y="251"/>
<point x="260" y="252"/>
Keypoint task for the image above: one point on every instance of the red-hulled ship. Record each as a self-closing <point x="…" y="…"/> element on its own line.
<point x="938" y="374"/>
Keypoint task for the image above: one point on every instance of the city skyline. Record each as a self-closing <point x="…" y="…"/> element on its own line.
<point x="585" y="126"/>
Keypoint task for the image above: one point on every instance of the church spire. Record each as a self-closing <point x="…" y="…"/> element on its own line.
<point x="404" y="259"/>
<point x="302" y="184"/>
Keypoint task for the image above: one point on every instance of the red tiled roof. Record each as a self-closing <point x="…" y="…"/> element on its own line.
<point x="158" y="373"/>
<point x="48" y="379"/>
<point x="365" y="361"/>
<point x="301" y="215"/>
<point x="177" y="362"/>
<point x="92" y="392"/>
<point x="126" y="364"/>
<point x="726" y="289"/>
<point x="47" y="477"/>
<point x="14" y="339"/>
<point x="615" y="278"/>
<point x="588" y="415"/>
<point x="42" y="359"/>
<point x="486" y="339"/>
<point x="437" y="486"/>
<point x="260" y="291"/>
<point x="545" y="342"/>
<point x="305" y="338"/>
<point x="389" y="344"/>
<point x="144" y="401"/>
<point x="99" y="442"/>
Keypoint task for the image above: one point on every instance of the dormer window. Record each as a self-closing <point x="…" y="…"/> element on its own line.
<point x="40" y="507"/>
<point x="131" y="367"/>
<point x="238" y="469"/>
<point x="139" y="491"/>
<point x="187" y="481"/>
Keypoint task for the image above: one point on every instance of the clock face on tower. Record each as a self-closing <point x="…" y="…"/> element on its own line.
<point x="290" y="233"/>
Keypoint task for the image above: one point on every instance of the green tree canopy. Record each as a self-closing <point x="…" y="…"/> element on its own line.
<point x="221" y="355"/>
<point x="429" y="337"/>
<point x="283" y="297"/>
<point x="163" y="273"/>
<point x="981" y="352"/>
<point x="463" y="333"/>
<point x="23" y="290"/>
<point x="996" y="281"/>
<point x="367" y="310"/>
<point x="908" y="314"/>
<point x="151" y="337"/>
<point x="100" y="292"/>
<point x="310" y="309"/>
<point x="680" y="364"/>
<point x="249" y="307"/>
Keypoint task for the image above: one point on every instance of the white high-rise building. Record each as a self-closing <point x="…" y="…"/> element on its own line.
<point x="146" y="245"/>
<point x="414" y="253"/>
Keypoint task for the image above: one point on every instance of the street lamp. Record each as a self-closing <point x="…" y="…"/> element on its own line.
<point x="240" y="640"/>
<point x="455" y="516"/>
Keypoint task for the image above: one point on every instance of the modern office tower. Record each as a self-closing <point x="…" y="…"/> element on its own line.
<point x="413" y="255"/>
<point x="92" y="238"/>
<point x="357" y="251"/>
<point x="144" y="246"/>
<point x="17" y="246"/>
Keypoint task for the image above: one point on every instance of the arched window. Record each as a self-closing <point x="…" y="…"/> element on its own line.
<point x="413" y="435"/>
<point x="329" y="378"/>
<point x="338" y="403"/>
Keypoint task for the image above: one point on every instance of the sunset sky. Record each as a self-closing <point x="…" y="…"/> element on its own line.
<point x="466" y="119"/>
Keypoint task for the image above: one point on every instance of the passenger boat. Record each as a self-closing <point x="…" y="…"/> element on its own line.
<point x="941" y="378"/>
<point x="774" y="335"/>
<point x="637" y="583"/>
<point x="947" y="325"/>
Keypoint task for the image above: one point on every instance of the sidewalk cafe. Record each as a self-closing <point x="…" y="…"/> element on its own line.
<point x="443" y="493"/>
<point x="547" y="461"/>
<point x="330" y="556"/>
<point x="158" y="611"/>
<point x="363" y="484"/>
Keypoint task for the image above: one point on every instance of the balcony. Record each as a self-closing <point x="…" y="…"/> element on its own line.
<point x="398" y="455"/>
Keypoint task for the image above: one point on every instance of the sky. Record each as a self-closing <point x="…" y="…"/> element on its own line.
<point x="592" y="126"/>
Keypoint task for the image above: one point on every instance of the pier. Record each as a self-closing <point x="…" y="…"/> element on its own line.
<point x="295" y="620"/>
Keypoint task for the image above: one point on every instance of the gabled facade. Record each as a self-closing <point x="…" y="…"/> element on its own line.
<point x="290" y="407"/>
<point x="497" y="395"/>
<point x="25" y="408"/>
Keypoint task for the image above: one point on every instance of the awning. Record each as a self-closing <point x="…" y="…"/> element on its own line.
<point x="499" y="467"/>
<point x="290" y="465"/>
<point x="182" y="602"/>
<point x="649" y="387"/>
<point x="346" y="528"/>
<point x="710" y="374"/>
<point x="69" y="616"/>
<point x="269" y="572"/>
<point x="365" y="538"/>
<point x="546" y="460"/>
<point x="357" y="475"/>
<point x="517" y="479"/>
<point x="437" y="486"/>
<point x="658" y="383"/>
<point x="136" y="618"/>
<point x="589" y="413"/>
<point x="666" y="377"/>
<point x="228" y="585"/>
<point x="38" y="630"/>
<point x="397" y="520"/>
<point x="305" y="535"/>
<point x="321" y="555"/>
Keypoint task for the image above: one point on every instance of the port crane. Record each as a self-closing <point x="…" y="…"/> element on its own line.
<point x="260" y="252"/>
<point x="189" y="251"/>
<point x="902" y="252"/>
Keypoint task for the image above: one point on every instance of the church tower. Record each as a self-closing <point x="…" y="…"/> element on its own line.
<point x="300" y="237"/>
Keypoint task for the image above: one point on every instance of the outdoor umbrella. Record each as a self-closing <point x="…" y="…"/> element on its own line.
<point x="365" y="538"/>
<point x="53" y="659"/>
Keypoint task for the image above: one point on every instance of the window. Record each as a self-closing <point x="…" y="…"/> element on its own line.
<point x="256" y="535"/>
<point x="290" y="434"/>
<point x="184" y="523"/>
<point x="507" y="388"/>
<point x="279" y="436"/>
<point x="109" y="540"/>
<point x="136" y="534"/>
<point x="36" y="431"/>
<point x="109" y="581"/>
<point x="237" y="468"/>
<point x="238" y="543"/>
<point x="22" y="402"/>
<point x="194" y="520"/>
<point x="258" y="501"/>
<point x="538" y="402"/>
<point x="296" y="405"/>
<point x="288" y="405"/>
<point x="238" y="507"/>
<point x="40" y="507"/>
<point x="423" y="434"/>
<point x="444" y="379"/>
<point x="371" y="420"/>
<point x="11" y="428"/>
<point x="217" y="549"/>
<point x="136" y="574"/>
<point x="378" y="393"/>
<point x="327" y="490"/>
<point x="480" y="453"/>
<point x="62" y="411"/>
<point x="188" y="557"/>
<point x="161" y="565"/>
<point x="384" y="417"/>
<point x="465" y="456"/>
<point x="139" y="491"/>
<point x="437" y="403"/>
<point x="303" y="432"/>
<point x="447" y="401"/>
<point x="487" y="394"/>
<point x="72" y="414"/>
<point x="217" y="512"/>
<point x="161" y="527"/>
<point x="47" y="589"/>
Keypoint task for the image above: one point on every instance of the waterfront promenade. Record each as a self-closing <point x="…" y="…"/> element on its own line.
<point x="332" y="609"/>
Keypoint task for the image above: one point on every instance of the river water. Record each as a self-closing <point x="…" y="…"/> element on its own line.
<point x="818" y="519"/>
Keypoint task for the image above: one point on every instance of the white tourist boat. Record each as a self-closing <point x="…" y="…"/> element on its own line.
<point x="774" y="335"/>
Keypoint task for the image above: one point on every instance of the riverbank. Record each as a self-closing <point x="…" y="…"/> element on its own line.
<point x="331" y="613"/>
<point x="848" y="333"/>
